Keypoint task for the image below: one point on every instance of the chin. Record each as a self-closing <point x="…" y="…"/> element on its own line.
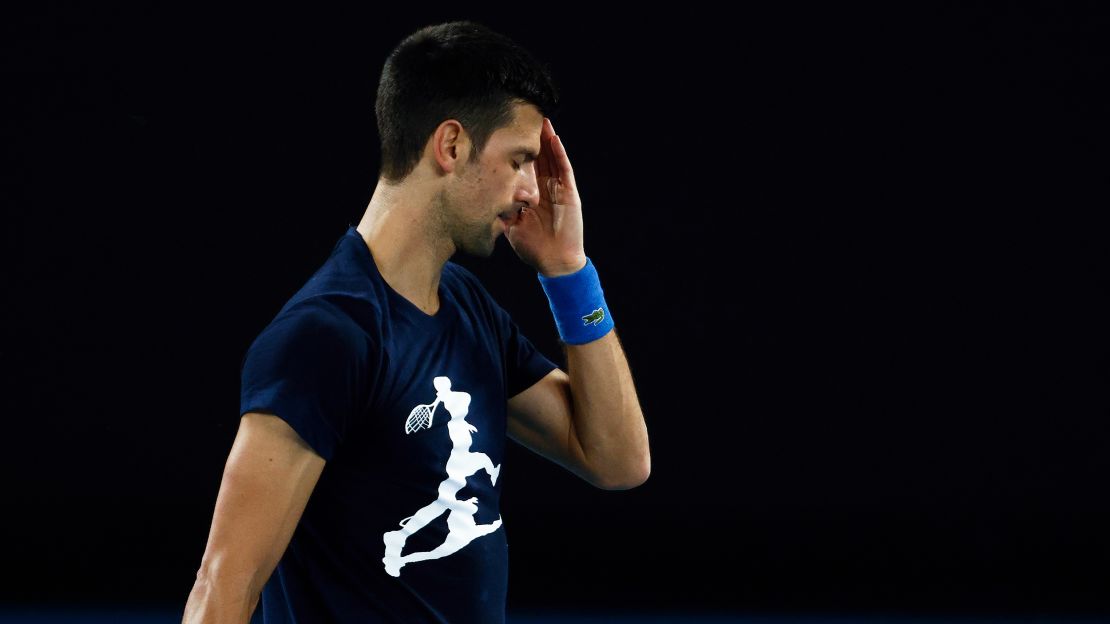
<point x="482" y="249"/>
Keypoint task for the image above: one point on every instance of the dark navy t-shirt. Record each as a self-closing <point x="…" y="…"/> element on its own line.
<point x="409" y="410"/>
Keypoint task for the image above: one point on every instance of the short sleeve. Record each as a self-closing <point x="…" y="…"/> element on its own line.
<point x="308" y="367"/>
<point x="524" y="363"/>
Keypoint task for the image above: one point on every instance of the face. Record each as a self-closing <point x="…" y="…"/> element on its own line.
<point x="490" y="190"/>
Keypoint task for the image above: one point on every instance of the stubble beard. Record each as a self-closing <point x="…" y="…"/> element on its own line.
<point x="472" y="238"/>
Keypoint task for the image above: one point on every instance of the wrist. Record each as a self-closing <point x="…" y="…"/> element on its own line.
<point x="578" y="304"/>
<point x="564" y="269"/>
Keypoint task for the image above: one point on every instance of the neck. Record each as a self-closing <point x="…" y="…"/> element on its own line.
<point x="407" y="240"/>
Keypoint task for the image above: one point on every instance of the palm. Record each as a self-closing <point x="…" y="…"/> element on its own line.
<point x="550" y="237"/>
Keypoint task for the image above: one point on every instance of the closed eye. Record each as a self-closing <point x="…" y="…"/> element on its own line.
<point x="529" y="156"/>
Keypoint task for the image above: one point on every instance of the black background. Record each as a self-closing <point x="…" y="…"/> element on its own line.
<point x="853" y="257"/>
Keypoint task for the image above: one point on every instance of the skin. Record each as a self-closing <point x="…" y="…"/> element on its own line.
<point x="452" y="203"/>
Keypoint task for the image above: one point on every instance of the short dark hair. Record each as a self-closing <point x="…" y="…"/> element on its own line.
<point x="457" y="70"/>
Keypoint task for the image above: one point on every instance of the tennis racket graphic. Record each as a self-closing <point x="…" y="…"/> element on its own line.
<point x="420" y="417"/>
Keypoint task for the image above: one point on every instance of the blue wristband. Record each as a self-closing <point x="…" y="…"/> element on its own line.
<point x="578" y="305"/>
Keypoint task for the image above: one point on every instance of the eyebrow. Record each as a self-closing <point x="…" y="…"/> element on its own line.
<point x="529" y="155"/>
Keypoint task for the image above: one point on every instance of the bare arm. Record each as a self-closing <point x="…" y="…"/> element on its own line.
<point x="588" y="420"/>
<point x="269" y="476"/>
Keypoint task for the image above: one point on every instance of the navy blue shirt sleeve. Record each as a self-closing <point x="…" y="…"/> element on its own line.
<point x="308" y="367"/>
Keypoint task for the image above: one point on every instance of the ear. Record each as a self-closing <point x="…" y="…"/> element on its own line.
<point x="450" y="145"/>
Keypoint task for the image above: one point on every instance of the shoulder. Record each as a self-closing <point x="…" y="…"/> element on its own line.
<point x="457" y="272"/>
<point x="464" y="281"/>
<point x="317" y="313"/>
<point x="317" y="325"/>
<point x="472" y="294"/>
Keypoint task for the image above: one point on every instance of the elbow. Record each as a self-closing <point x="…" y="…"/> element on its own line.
<point x="635" y="475"/>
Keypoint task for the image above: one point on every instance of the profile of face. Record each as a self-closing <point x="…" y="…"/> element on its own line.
<point x="487" y="192"/>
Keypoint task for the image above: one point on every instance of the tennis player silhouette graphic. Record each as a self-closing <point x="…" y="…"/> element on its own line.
<point x="461" y="464"/>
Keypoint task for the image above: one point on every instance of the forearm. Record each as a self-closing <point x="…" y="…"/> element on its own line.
<point x="608" y="420"/>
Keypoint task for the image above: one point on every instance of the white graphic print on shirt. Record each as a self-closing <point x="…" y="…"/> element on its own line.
<point x="461" y="464"/>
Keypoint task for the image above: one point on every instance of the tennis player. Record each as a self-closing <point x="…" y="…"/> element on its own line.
<point x="364" y="482"/>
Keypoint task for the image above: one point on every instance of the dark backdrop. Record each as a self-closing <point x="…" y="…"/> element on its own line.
<point x="851" y="254"/>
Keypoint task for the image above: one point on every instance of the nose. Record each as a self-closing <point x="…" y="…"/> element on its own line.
<point x="528" y="192"/>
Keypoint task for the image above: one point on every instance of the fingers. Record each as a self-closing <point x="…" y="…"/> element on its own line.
<point x="562" y="161"/>
<point x="555" y="163"/>
<point x="545" y="163"/>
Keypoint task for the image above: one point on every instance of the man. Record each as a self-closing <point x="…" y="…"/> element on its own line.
<point x="364" y="482"/>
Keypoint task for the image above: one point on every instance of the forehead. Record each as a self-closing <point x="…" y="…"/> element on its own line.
<point x="522" y="134"/>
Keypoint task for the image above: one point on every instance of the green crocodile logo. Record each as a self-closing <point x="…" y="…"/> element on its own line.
<point x="594" y="317"/>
